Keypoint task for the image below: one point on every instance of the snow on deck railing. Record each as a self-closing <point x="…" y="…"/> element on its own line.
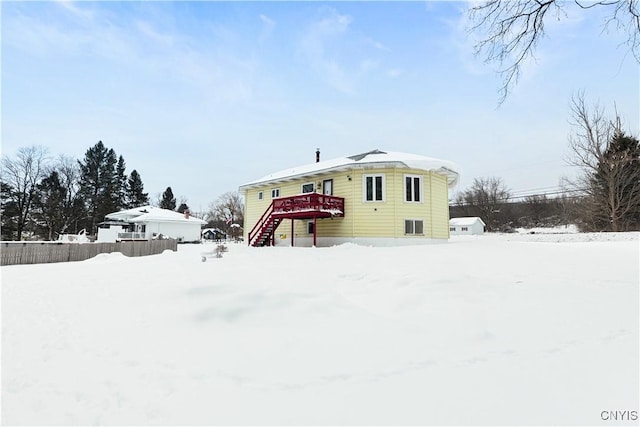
<point x="309" y="202"/>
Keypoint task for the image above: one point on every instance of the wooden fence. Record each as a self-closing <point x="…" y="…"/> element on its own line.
<point x="14" y="253"/>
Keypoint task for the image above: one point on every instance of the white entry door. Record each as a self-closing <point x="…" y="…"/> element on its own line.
<point x="327" y="187"/>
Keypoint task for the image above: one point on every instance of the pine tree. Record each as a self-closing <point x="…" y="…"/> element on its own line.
<point x="615" y="186"/>
<point x="49" y="206"/>
<point x="135" y="191"/>
<point x="183" y="208"/>
<point x="121" y="178"/>
<point x="168" y="200"/>
<point x="98" y="185"/>
<point x="9" y="211"/>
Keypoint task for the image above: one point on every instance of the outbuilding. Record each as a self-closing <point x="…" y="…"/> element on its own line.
<point x="466" y="225"/>
<point x="149" y="222"/>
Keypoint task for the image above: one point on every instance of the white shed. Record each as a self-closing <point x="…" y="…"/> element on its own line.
<point x="466" y="225"/>
<point x="149" y="222"/>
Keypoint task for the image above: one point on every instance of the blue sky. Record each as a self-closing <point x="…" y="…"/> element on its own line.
<point x="205" y="96"/>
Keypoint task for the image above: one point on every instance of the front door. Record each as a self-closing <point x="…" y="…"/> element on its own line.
<point x="327" y="187"/>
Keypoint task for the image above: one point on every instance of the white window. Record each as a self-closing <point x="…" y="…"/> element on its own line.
<point x="275" y="193"/>
<point x="413" y="226"/>
<point x="310" y="227"/>
<point x="260" y="195"/>
<point x="452" y="229"/>
<point x="373" y="188"/>
<point x="465" y="228"/>
<point x="308" y="187"/>
<point x="413" y="188"/>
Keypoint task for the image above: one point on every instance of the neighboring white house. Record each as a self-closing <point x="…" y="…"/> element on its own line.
<point x="466" y="225"/>
<point x="149" y="222"/>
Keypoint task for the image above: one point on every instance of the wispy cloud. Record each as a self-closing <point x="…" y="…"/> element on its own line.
<point x="131" y="42"/>
<point x="339" y="54"/>
<point x="268" y="25"/>
<point x="322" y="36"/>
<point x="394" y="73"/>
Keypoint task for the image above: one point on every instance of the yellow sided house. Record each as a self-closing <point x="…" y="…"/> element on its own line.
<point x="373" y="198"/>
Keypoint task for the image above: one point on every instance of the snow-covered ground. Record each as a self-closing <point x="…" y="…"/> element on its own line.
<point x="507" y="329"/>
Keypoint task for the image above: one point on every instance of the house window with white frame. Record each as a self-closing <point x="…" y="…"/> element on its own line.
<point x="452" y="229"/>
<point x="275" y="193"/>
<point x="373" y="188"/>
<point x="308" y="187"/>
<point x="413" y="188"/>
<point x="260" y="195"/>
<point x="413" y="226"/>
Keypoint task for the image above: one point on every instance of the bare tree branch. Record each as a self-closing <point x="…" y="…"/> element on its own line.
<point x="510" y="30"/>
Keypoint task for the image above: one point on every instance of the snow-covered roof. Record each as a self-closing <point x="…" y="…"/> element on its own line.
<point x="152" y="214"/>
<point x="465" y="221"/>
<point x="382" y="158"/>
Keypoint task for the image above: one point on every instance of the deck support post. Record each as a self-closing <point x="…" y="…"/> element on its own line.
<point x="291" y="232"/>
<point x="315" y="231"/>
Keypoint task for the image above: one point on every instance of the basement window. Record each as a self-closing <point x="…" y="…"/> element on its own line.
<point x="414" y="226"/>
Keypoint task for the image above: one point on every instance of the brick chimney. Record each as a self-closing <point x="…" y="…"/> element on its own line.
<point x="317" y="155"/>
<point x="187" y="214"/>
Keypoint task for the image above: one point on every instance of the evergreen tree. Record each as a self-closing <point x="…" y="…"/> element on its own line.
<point x="9" y="211"/>
<point x="49" y="206"/>
<point x="135" y="191"/>
<point x="615" y="185"/>
<point x="122" y="190"/>
<point x="98" y="185"/>
<point x="183" y="208"/>
<point x="168" y="200"/>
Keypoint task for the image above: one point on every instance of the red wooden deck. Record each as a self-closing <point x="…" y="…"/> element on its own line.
<point x="301" y="206"/>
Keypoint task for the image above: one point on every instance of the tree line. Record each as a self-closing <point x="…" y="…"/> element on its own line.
<point x="46" y="197"/>
<point x="42" y="197"/>
<point x="604" y="197"/>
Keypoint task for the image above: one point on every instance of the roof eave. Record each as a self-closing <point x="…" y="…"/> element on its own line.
<point x="452" y="176"/>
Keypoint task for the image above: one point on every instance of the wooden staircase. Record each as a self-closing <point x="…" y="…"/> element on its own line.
<point x="302" y="206"/>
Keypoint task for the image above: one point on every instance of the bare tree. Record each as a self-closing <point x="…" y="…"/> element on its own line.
<point x="23" y="174"/>
<point x="509" y="30"/>
<point x="610" y="164"/>
<point x="227" y="210"/>
<point x="486" y="198"/>
<point x="69" y="173"/>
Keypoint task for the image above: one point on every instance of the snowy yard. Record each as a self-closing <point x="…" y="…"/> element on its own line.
<point x="495" y="329"/>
